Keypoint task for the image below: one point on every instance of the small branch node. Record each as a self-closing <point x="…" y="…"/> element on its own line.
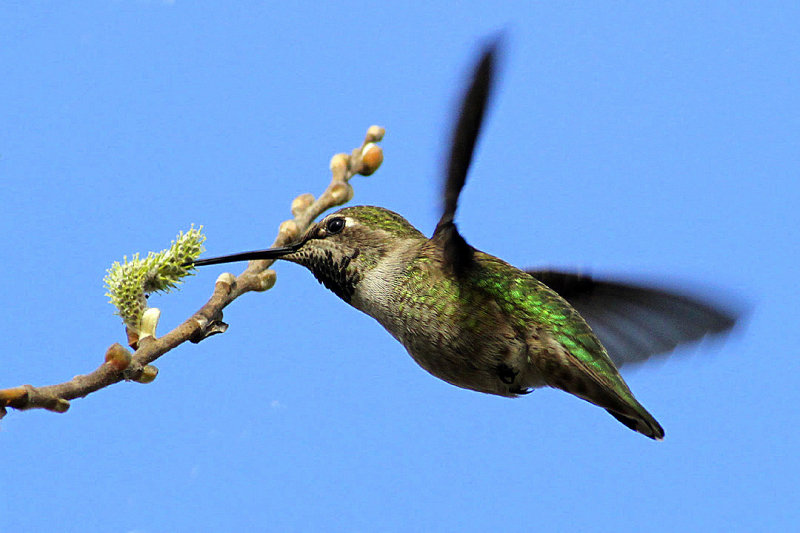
<point x="58" y="405"/>
<point x="339" y="165"/>
<point x="341" y="193"/>
<point x="288" y="231"/>
<point x="214" y="327"/>
<point x="147" y="375"/>
<point x="118" y="357"/>
<point x="266" y="280"/>
<point x="374" y="134"/>
<point x="301" y="203"/>
<point x="201" y="321"/>
<point x="226" y="278"/>
<point x="133" y="371"/>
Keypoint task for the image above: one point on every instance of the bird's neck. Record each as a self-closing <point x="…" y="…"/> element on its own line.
<point x="378" y="286"/>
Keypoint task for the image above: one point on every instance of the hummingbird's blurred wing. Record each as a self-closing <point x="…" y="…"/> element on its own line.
<point x="635" y="322"/>
<point x="457" y="253"/>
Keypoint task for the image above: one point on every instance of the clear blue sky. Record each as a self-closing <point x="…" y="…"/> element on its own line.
<point x="634" y="138"/>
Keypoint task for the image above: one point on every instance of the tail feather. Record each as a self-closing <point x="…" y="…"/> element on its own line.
<point x="643" y="423"/>
<point x="624" y="408"/>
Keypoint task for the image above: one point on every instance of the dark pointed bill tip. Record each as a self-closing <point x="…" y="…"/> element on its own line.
<point x="271" y="253"/>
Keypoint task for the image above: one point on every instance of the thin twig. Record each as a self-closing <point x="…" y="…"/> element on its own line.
<point x="120" y="364"/>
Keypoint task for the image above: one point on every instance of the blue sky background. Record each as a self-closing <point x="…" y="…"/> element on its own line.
<point x="632" y="138"/>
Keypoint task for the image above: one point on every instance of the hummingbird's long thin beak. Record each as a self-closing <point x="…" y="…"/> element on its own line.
<point x="271" y="253"/>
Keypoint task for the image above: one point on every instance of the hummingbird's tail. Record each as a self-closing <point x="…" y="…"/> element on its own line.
<point x="616" y="398"/>
<point x="641" y="421"/>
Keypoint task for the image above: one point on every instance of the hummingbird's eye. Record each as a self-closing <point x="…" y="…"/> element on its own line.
<point x="335" y="225"/>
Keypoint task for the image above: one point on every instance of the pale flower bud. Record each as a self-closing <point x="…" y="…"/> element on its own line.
<point x="371" y="159"/>
<point x="301" y="203"/>
<point x="341" y="192"/>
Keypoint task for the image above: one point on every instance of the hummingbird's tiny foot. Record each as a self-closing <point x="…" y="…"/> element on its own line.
<point x="506" y="374"/>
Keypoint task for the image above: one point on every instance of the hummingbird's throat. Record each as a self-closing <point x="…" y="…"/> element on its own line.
<point x="335" y="274"/>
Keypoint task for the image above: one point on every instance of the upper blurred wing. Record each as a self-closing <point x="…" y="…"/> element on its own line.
<point x="457" y="252"/>
<point x="636" y="322"/>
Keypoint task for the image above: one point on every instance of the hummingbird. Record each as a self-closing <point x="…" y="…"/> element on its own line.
<point x="476" y="321"/>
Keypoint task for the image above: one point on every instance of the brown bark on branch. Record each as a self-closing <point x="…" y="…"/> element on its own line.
<point x="120" y="364"/>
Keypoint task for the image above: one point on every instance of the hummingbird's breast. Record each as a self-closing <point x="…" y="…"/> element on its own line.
<point x="450" y="328"/>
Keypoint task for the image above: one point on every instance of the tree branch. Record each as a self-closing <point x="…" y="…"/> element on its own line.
<point x="120" y="364"/>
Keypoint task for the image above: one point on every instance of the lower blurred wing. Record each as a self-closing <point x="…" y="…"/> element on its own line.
<point x="635" y="322"/>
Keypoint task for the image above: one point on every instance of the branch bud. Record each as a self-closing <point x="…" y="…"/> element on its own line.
<point x="288" y="231"/>
<point x="60" y="405"/>
<point x="118" y="357"/>
<point x="266" y="280"/>
<point x="374" y="134"/>
<point x="339" y="164"/>
<point x="149" y="373"/>
<point x="301" y="203"/>
<point x="371" y="159"/>
<point x="227" y="278"/>
<point x="341" y="193"/>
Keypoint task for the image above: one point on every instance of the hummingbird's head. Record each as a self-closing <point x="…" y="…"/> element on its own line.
<point x="344" y="246"/>
<point x="341" y="248"/>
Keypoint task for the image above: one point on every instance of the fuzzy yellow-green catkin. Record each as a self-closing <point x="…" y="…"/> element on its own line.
<point x="128" y="283"/>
